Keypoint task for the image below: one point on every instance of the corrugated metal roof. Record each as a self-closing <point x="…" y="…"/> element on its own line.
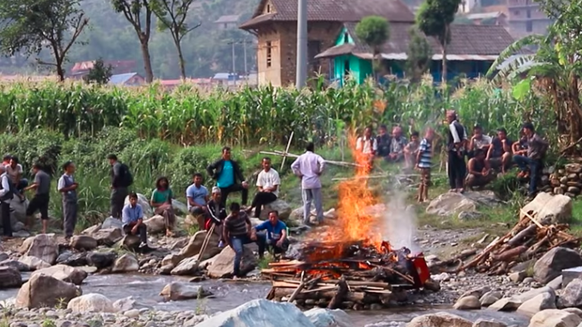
<point x="121" y="79"/>
<point x="484" y="15"/>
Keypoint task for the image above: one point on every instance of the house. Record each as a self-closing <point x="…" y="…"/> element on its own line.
<point x="129" y="79"/>
<point x="471" y="51"/>
<point x="489" y="18"/>
<point x="274" y="23"/>
<point x="525" y="17"/>
<point x="227" y="22"/>
<point x="80" y="69"/>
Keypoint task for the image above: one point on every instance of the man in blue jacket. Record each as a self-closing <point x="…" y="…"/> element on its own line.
<point x="229" y="177"/>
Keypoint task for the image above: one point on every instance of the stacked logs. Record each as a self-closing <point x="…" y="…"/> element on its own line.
<point x="567" y="181"/>
<point x="527" y="240"/>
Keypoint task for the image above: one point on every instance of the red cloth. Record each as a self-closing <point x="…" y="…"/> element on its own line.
<point x="207" y="224"/>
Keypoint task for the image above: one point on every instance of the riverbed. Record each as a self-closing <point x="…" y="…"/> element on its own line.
<point x="145" y="291"/>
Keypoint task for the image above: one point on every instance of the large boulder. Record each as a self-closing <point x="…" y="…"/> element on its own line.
<point x="15" y="264"/>
<point x="92" y="302"/>
<point x="83" y="243"/>
<point x="64" y="273"/>
<point x="175" y="291"/>
<point x="111" y="222"/>
<point x="281" y="206"/>
<point x="195" y="244"/>
<point x="450" y="204"/>
<point x="329" y="318"/>
<point x="440" y="319"/>
<point x="260" y="312"/>
<point x="19" y="210"/>
<point x="125" y="263"/>
<point x="10" y="278"/>
<point x="550" y="265"/>
<point x="488" y="323"/>
<point x="186" y="267"/>
<point x="101" y="260"/>
<point x="155" y="224"/>
<point x="555" y="318"/>
<point x="548" y="208"/>
<point x="34" y="263"/>
<point x="470" y="302"/>
<point x="543" y="301"/>
<point x="223" y="264"/>
<point x="108" y="236"/>
<point x="572" y="294"/>
<point x="145" y="204"/>
<point x="43" y="246"/>
<point x="45" y="291"/>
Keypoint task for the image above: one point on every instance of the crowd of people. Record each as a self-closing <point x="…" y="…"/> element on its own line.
<point x="472" y="162"/>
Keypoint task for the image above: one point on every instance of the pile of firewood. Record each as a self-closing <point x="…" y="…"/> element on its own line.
<point x="527" y="240"/>
<point x="567" y="181"/>
<point x="362" y="276"/>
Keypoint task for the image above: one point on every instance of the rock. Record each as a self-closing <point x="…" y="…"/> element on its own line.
<point x="73" y="260"/>
<point x="101" y="259"/>
<point x="126" y="263"/>
<point x="554" y="318"/>
<point x="172" y="259"/>
<point x="468" y="303"/>
<point x="281" y="206"/>
<point x="506" y="304"/>
<point x="489" y="298"/>
<point x="45" y="291"/>
<point x="145" y="204"/>
<point x="155" y="224"/>
<point x="43" y="246"/>
<point x="83" y="243"/>
<point x="556" y="283"/>
<point x="488" y="323"/>
<point x="440" y="319"/>
<point x="550" y="265"/>
<point x="329" y="318"/>
<point x="125" y="304"/>
<point x="518" y="276"/>
<point x="575" y="311"/>
<point x="175" y="291"/>
<point x="450" y="204"/>
<point x="19" y="213"/>
<point x="266" y="312"/>
<point x="108" y="236"/>
<point x="546" y="300"/>
<point x="91" y="230"/>
<point x="296" y="214"/>
<point x="476" y="292"/>
<point x="34" y="263"/>
<point x="195" y="243"/>
<point x="92" y="302"/>
<point x="555" y="209"/>
<point x="111" y="223"/>
<point x="64" y="273"/>
<point x="10" y="278"/>
<point x="470" y="215"/>
<point x="573" y="168"/>
<point x="186" y="267"/>
<point x="4" y="256"/>
<point x="179" y="207"/>
<point x="130" y="242"/>
<point x="572" y="294"/>
<point x="223" y="264"/>
<point x="15" y="264"/>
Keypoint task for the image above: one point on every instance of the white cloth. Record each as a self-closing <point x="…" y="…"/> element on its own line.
<point x="268" y="179"/>
<point x="366" y="145"/>
<point x="309" y="165"/>
<point x="5" y="184"/>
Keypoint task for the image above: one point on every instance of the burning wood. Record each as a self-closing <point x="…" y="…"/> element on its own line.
<point x="350" y="275"/>
<point x="526" y="240"/>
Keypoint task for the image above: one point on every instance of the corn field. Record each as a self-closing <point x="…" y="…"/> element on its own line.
<point x="252" y="116"/>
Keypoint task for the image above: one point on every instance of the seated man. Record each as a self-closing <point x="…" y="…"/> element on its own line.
<point x="237" y="231"/>
<point x="215" y="214"/>
<point x="499" y="154"/>
<point x="197" y="195"/>
<point x="268" y="183"/>
<point x="411" y="151"/>
<point x="397" y="145"/>
<point x="383" y="140"/>
<point x="479" y="141"/>
<point x="132" y="219"/>
<point x="15" y="171"/>
<point x="480" y="173"/>
<point x="367" y="145"/>
<point x="276" y="233"/>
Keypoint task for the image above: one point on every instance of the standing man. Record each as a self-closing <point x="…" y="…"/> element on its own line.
<point x="68" y="188"/>
<point x="40" y="201"/>
<point x="457" y="137"/>
<point x="309" y="167"/>
<point x="15" y="171"/>
<point x="536" y="150"/>
<point x="268" y="183"/>
<point x="367" y="145"/>
<point x="6" y="194"/>
<point x="197" y="195"/>
<point x="121" y="179"/>
<point x="226" y="172"/>
<point x="132" y="219"/>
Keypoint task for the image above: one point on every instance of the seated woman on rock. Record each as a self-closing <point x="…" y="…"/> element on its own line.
<point x="161" y="201"/>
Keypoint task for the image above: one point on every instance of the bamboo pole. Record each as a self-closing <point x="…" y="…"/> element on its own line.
<point x="287" y="150"/>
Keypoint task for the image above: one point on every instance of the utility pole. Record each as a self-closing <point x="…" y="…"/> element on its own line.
<point x="245" y="57"/>
<point x="301" y="69"/>
<point x="232" y="43"/>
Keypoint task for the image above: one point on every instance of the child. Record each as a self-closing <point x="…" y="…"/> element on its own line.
<point x="424" y="163"/>
<point x="411" y="151"/>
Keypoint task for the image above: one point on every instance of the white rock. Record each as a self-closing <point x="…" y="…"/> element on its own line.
<point x="64" y="273"/>
<point x="156" y="224"/>
<point x="175" y="291"/>
<point x="546" y="300"/>
<point x="329" y="318"/>
<point x="468" y="303"/>
<point x="554" y="318"/>
<point x="34" y="263"/>
<point x="92" y="302"/>
<point x="440" y="319"/>
<point x="557" y="209"/>
<point x="125" y="263"/>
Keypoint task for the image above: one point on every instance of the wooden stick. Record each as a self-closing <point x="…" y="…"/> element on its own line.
<point x="531" y="218"/>
<point x="331" y="162"/>
<point x="299" y="288"/>
<point x="205" y="242"/>
<point x="287" y="150"/>
<point x="337" y="300"/>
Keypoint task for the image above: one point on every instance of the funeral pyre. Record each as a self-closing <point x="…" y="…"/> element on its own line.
<point x="347" y="264"/>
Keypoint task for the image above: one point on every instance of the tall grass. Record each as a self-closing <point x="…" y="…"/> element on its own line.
<point x="251" y="116"/>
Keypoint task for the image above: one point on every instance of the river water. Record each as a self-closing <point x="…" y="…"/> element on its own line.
<point x="145" y="290"/>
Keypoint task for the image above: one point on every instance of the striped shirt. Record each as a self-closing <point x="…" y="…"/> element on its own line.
<point x="425" y="150"/>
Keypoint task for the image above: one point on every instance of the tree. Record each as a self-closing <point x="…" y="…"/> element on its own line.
<point x="29" y="26"/>
<point x="172" y="16"/>
<point x="419" y="55"/>
<point x="139" y="14"/>
<point x="434" y="18"/>
<point x="100" y="73"/>
<point x="374" y="31"/>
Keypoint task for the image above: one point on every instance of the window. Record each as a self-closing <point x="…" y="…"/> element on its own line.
<point x="225" y="25"/>
<point x="529" y="26"/>
<point x="268" y="10"/>
<point x="516" y="13"/>
<point x="528" y="13"/>
<point x="269" y="54"/>
<point x="346" y="37"/>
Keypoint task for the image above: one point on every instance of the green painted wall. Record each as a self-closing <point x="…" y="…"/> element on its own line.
<point x="359" y="68"/>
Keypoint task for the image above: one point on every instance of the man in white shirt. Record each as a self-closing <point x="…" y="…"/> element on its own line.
<point x="309" y="166"/>
<point x="6" y="194"/>
<point x="367" y="145"/>
<point x="268" y="183"/>
<point x="15" y="171"/>
<point x="479" y="141"/>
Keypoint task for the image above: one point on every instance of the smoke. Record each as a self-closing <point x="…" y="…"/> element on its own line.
<point x="400" y="222"/>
